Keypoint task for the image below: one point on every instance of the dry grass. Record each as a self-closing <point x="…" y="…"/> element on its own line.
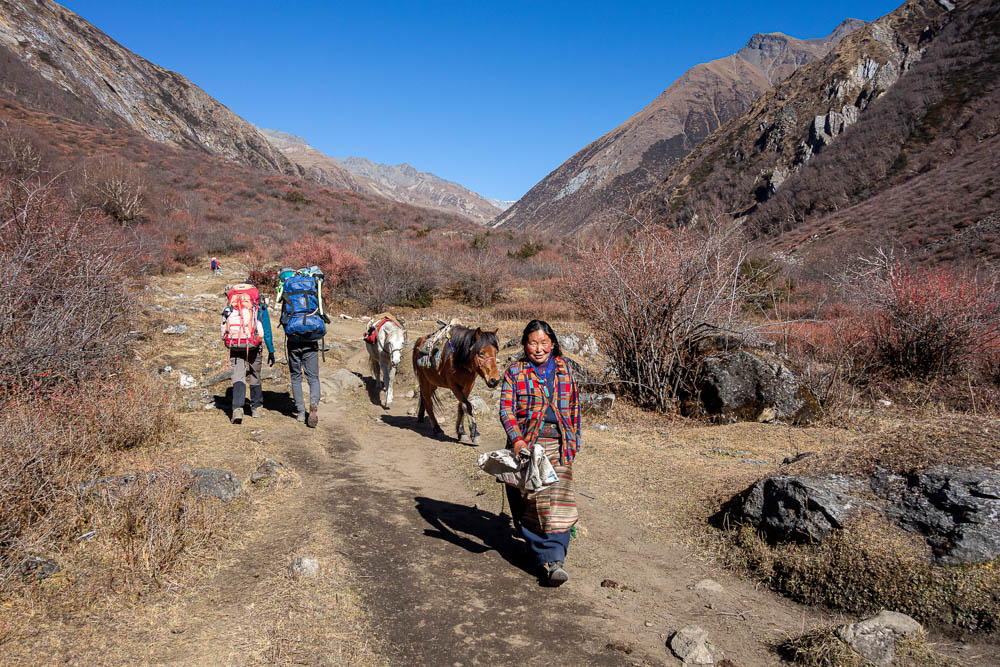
<point x="908" y="444"/>
<point x="868" y="566"/>
<point x="822" y="648"/>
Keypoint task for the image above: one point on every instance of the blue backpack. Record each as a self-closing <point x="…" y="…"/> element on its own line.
<point x="301" y="309"/>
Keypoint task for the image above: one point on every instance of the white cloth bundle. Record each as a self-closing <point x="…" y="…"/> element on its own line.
<point x="529" y="473"/>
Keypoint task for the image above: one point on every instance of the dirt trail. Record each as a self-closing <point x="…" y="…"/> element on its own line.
<point x="447" y="584"/>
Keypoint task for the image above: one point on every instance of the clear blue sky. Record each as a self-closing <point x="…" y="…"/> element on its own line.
<point x="491" y="95"/>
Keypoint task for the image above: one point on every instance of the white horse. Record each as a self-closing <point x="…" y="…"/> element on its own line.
<point x="384" y="355"/>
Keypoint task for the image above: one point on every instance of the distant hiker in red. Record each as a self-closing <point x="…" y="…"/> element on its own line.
<point x="215" y="266"/>
<point x="245" y="325"/>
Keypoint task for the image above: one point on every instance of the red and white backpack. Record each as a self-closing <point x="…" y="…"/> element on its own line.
<point x="241" y="330"/>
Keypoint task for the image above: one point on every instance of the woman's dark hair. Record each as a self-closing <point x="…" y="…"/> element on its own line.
<point x="542" y="325"/>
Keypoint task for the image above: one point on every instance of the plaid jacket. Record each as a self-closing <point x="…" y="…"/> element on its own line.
<point x="523" y="401"/>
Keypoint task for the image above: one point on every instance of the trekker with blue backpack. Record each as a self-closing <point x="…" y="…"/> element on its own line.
<point x="301" y="296"/>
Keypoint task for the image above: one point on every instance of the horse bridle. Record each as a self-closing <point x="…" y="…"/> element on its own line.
<point x="481" y="357"/>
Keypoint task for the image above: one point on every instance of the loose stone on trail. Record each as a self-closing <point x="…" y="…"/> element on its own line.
<point x="690" y="644"/>
<point x="176" y="329"/>
<point x="304" y="568"/>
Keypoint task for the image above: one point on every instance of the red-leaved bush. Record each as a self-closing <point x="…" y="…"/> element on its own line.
<point x="924" y="322"/>
<point x="339" y="265"/>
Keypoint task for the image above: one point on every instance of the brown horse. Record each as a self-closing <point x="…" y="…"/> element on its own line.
<point x="467" y="354"/>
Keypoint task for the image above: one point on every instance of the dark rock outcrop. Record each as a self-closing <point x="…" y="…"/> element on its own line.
<point x="956" y="510"/>
<point x="740" y="385"/>
<point x="801" y="508"/>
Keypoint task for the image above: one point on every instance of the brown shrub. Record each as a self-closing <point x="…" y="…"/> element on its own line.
<point x="655" y="296"/>
<point x="482" y="279"/>
<point x="52" y="440"/>
<point x="118" y="188"/>
<point x="65" y="278"/>
<point x="395" y="275"/>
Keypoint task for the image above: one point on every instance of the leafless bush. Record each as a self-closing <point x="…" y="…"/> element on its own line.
<point x="65" y="281"/>
<point x="116" y="187"/>
<point x="21" y="155"/>
<point x="482" y="279"/>
<point x="394" y="275"/>
<point x="52" y="440"/>
<point x="656" y="296"/>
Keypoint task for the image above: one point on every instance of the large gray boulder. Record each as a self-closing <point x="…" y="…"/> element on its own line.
<point x="344" y="380"/>
<point x="801" y="508"/>
<point x="875" y="638"/>
<point x="741" y="385"/>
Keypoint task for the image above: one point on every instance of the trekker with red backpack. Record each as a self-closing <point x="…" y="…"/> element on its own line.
<point x="245" y="325"/>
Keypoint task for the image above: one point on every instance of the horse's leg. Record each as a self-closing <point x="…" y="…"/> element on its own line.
<point x="390" y="375"/>
<point x="460" y="428"/>
<point x="473" y="429"/>
<point x="383" y="378"/>
<point x="437" y="431"/>
<point x="464" y="406"/>
<point x="427" y="404"/>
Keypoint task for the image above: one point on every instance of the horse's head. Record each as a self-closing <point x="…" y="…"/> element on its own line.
<point x="394" y="340"/>
<point x="485" y="349"/>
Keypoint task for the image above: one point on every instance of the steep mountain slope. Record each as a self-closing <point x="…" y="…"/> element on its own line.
<point x="892" y="138"/>
<point x="401" y="183"/>
<point x="607" y="175"/>
<point x="119" y="87"/>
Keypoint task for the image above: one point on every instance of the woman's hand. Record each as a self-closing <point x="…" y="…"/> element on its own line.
<point x="519" y="445"/>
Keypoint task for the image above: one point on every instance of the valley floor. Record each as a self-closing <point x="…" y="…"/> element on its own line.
<point x="418" y="564"/>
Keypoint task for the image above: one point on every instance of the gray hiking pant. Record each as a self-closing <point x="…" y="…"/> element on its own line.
<point x="245" y="365"/>
<point x="304" y="357"/>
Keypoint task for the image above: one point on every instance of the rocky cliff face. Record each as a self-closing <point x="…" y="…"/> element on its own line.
<point x="121" y="88"/>
<point x="608" y="175"/>
<point x="402" y="183"/>
<point x="886" y="140"/>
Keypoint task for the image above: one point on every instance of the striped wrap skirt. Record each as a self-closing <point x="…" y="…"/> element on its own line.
<point x="553" y="509"/>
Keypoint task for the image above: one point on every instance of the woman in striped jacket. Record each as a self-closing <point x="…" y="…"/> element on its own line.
<point x="539" y="404"/>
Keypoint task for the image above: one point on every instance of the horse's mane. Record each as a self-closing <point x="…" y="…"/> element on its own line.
<point x="465" y="346"/>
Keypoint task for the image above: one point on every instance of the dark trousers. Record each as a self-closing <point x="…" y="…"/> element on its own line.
<point x="246" y="365"/>
<point x="304" y="358"/>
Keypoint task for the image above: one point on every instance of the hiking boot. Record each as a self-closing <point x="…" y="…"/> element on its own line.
<point x="255" y="413"/>
<point x="555" y="575"/>
<point x="313" y="417"/>
<point x="238" y="416"/>
<point x="300" y="417"/>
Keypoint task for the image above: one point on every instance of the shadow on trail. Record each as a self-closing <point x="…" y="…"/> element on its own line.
<point x="451" y="522"/>
<point x="275" y="401"/>
<point x="371" y="386"/>
<point x="411" y="424"/>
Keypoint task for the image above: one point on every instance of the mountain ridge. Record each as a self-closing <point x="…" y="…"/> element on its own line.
<point x="122" y="88"/>
<point x="403" y="182"/>
<point x="599" y="182"/>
